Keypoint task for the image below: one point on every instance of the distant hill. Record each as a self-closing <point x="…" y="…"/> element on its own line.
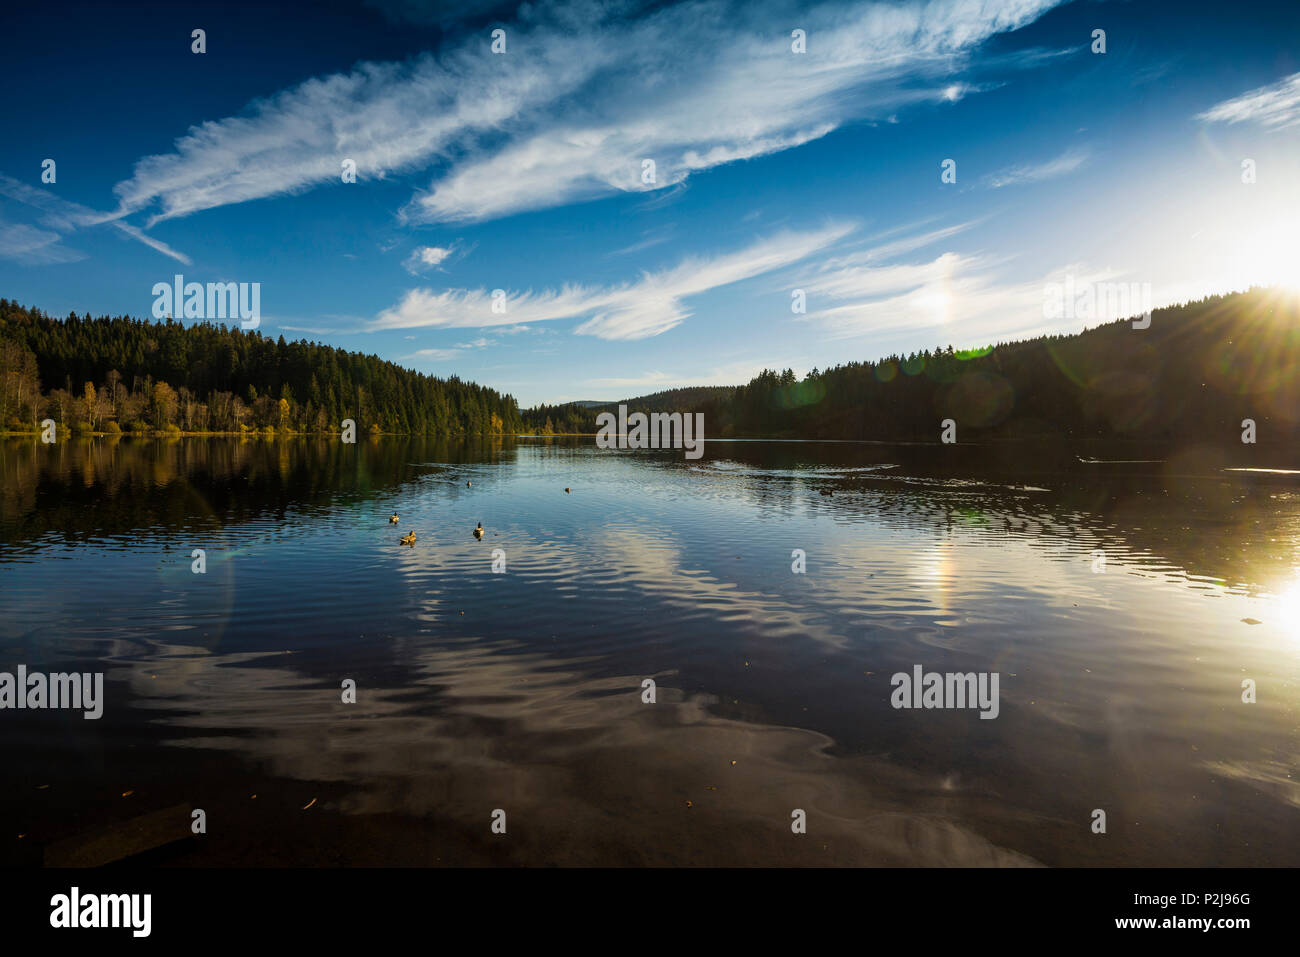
<point x="678" y="400"/>
<point x="1193" y="376"/>
<point x="580" y="417"/>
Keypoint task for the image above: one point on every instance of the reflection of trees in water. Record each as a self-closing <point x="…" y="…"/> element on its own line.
<point x="110" y="485"/>
<point x="1233" y="526"/>
<point x="1240" y="528"/>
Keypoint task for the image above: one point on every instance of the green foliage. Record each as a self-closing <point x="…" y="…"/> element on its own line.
<point x="208" y="377"/>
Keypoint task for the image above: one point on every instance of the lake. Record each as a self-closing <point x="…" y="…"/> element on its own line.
<point x="1121" y="604"/>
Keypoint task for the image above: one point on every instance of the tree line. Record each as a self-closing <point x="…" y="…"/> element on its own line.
<point x="114" y="374"/>
<point x="1195" y="374"/>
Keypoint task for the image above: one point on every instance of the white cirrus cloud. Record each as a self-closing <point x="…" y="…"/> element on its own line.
<point x="432" y="355"/>
<point x="385" y="117"/>
<point x="1275" y="106"/>
<point x="63" y="217"/>
<point x="1067" y="162"/>
<point x="655" y="379"/>
<point x="34" y="247"/>
<point x="576" y="104"/>
<point x="949" y="298"/>
<point x="727" y="89"/>
<point x="650" y="306"/>
<point x="880" y="252"/>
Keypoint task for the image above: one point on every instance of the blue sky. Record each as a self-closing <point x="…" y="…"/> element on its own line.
<point x="522" y="171"/>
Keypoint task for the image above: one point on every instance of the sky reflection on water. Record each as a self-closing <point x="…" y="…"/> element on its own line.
<point x="1119" y="690"/>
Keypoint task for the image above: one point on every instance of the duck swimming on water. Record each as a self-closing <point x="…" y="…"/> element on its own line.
<point x="408" y="539"/>
<point x="478" y="532"/>
<point x="393" y="520"/>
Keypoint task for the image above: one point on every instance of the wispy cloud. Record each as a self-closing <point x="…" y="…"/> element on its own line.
<point x="576" y="103"/>
<point x="962" y="298"/>
<point x="1067" y="162"/>
<point x="155" y="244"/>
<point x="34" y="247"/>
<point x="647" y="307"/>
<point x="950" y="291"/>
<point x="658" y="380"/>
<point x="723" y="91"/>
<point x="1275" y="106"/>
<point x="651" y="240"/>
<point x="424" y="258"/>
<point x="883" y="252"/>
<point x="63" y="218"/>
<point x="432" y="355"/>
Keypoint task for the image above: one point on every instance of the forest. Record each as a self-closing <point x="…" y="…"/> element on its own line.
<point x="1196" y="373"/>
<point x="119" y="374"/>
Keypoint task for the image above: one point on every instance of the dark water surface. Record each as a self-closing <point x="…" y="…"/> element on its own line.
<point x="1121" y="689"/>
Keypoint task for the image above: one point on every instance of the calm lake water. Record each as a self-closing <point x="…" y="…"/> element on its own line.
<point x="1120" y="684"/>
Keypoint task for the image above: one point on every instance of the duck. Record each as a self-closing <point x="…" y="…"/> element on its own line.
<point x="566" y="491"/>
<point x="393" y="520"/>
<point x="478" y="532"/>
<point x="468" y="484"/>
<point x="408" y="539"/>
